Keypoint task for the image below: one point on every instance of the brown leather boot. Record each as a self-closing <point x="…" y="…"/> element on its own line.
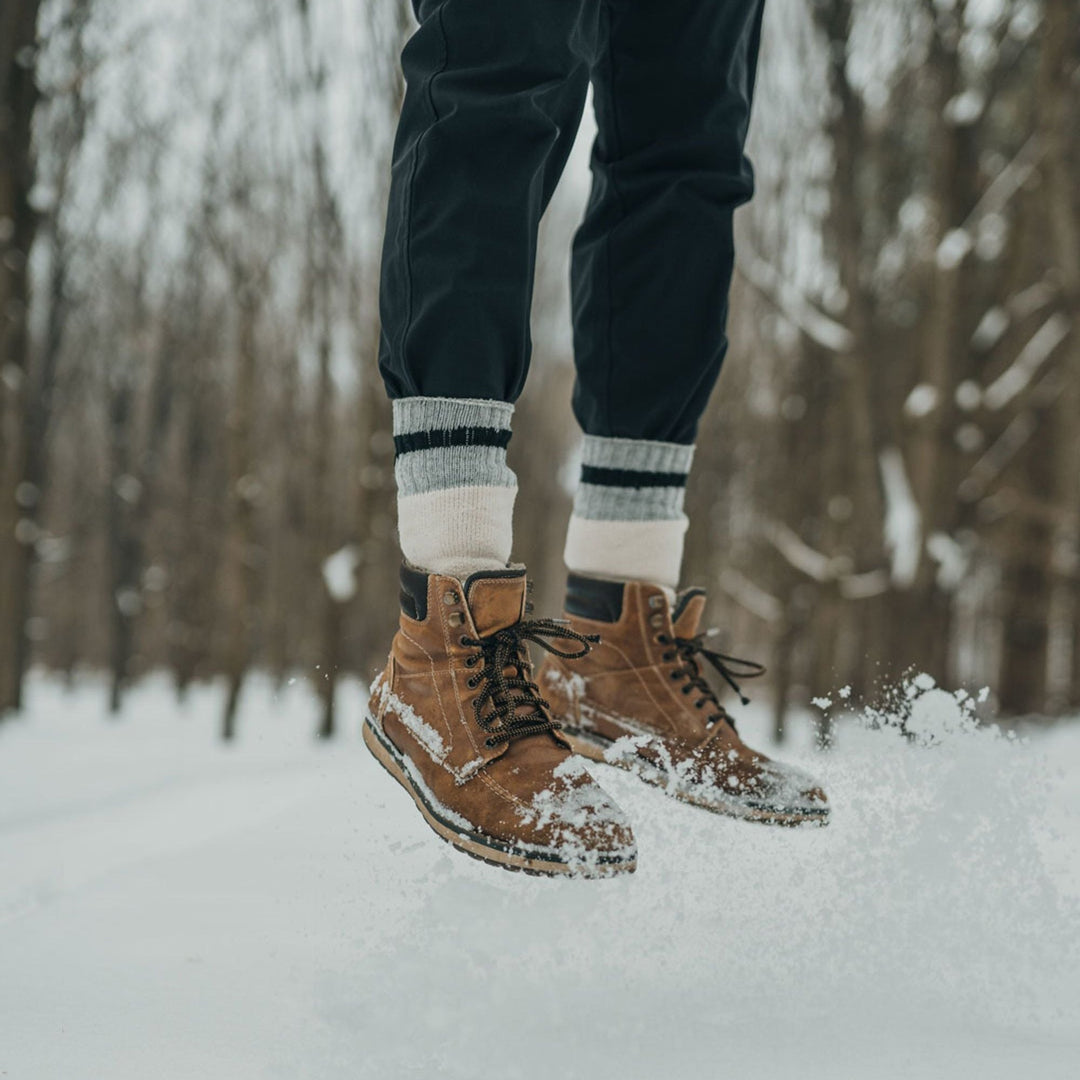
<point x="457" y="721"/>
<point x="639" y="700"/>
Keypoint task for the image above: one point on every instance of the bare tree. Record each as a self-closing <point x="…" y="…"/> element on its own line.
<point x="18" y="226"/>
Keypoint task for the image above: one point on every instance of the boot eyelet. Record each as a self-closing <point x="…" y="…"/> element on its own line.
<point x="470" y="661"/>
<point x="668" y="657"/>
<point x="656" y="601"/>
<point x="455" y="618"/>
<point x="657" y="619"/>
<point x="676" y="674"/>
<point x="463" y="640"/>
<point x="471" y="682"/>
<point x="490" y="743"/>
<point x="450" y="598"/>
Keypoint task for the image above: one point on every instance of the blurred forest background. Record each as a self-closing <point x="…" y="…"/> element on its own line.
<point x="195" y="458"/>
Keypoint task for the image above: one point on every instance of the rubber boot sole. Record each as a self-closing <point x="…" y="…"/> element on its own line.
<point x="479" y="845"/>
<point x="592" y="746"/>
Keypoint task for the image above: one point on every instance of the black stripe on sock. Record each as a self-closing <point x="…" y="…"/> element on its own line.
<point x="459" y="436"/>
<point x="630" y="478"/>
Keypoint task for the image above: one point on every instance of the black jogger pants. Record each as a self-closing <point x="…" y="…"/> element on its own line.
<point x="495" y="92"/>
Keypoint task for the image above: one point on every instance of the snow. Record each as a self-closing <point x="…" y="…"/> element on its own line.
<point x="954" y="246"/>
<point x="969" y="438"/>
<point x="173" y="908"/>
<point x="903" y="522"/>
<point x="339" y="573"/>
<point x="1039" y="348"/>
<point x="798" y="553"/>
<point x="969" y="393"/>
<point x="427" y="736"/>
<point x="951" y="558"/>
<point x="751" y="596"/>
<point x="988" y="333"/>
<point x="965" y="108"/>
<point x="826" y="332"/>
<point x="921" y="401"/>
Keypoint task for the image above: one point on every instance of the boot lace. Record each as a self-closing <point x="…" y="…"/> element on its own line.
<point x="504" y="651"/>
<point x="689" y="650"/>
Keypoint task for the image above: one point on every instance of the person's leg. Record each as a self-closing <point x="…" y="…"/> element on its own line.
<point x="494" y="99"/>
<point x="652" y="266"/>
<point x="493" y="102"/>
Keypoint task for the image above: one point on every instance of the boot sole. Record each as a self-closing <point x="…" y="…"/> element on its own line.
<point x="592" y="746"/>
<point x="477" y="844"/>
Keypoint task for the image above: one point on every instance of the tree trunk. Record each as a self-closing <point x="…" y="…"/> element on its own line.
<point x="1026" y="589"/>
<point x="1060" y="96"/>
<point x="18" y="97"/>
<point x="239" y="568"/>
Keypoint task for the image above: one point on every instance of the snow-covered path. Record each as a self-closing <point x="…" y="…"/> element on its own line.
<point x="172" y="909"/>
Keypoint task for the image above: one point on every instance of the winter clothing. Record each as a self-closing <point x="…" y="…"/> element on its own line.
<point x="458" y="723"/>
<point x="495" y="93"/>
<point x="639" y="700"/>
<point x="455" y="490"/>
<point x="628" y="519"/>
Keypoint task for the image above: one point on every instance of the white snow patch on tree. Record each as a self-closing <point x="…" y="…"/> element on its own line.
<point x="969" y="438"/>
<point x="798" y="553"/>
<point x="921" y="401"/>
<point x="990" y="237"/>
<point x="339" y="573"/>
<point x="953" y="249"/>
<point x="991" y="328"/>
<point x="814" y="323"/>
<point x="1032" y="356"/>
<point x="751" y="596"/>
<point x="968" y="395"/>
<point x="951" y="559"/>
<point x="965" y="108"/>
<point x="903" y="522"/>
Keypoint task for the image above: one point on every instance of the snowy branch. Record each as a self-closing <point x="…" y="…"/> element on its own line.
<point x="798" y="553"/>
<point x="1032" y="356"/>
<point x="750" y="596"/>
<point x="815" y="324"/>
<point x="1007" y="182"/>
<point x="864" y="586"/>
<point x="1007" y="445"/>
<point x="903" y="522"/>
<point x="821" y="568"/>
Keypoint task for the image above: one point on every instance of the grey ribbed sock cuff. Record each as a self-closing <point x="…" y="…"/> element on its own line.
<point x="442" y="443"/>
<point x="632" y="480"/>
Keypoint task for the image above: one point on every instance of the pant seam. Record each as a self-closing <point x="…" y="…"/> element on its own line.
<point x="409" y="202"/>
<point x="616" y="154"/>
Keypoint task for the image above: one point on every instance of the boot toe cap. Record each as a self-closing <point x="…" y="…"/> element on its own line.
<point x="575" y="816"/>
<point x="791" y="789"/>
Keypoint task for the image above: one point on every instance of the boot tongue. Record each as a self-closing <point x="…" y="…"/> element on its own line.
<point x="687" y="612"/>
<point x="496" y="599"/>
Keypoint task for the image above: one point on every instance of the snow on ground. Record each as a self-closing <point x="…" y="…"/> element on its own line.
<point x="170" y="908"/>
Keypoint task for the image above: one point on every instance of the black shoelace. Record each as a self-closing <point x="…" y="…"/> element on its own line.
<point x="688" y="650"/>
<point x="517" y="709"/>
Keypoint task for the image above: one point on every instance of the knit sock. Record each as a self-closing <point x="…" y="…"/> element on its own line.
<point x="628" y="521"/>
<point x="455" y="490"/>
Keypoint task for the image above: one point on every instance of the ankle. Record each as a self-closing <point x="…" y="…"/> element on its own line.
<point x="628" y="522"/>
<point x="455" y="490"/>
